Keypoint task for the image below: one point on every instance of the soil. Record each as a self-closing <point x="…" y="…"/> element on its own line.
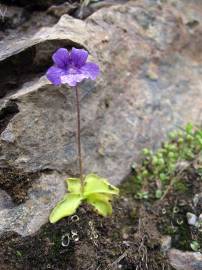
<point x="129" y="239"/>
<point x="16" y="183"/>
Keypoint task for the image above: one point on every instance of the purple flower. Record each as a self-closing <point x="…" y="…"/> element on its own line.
<point x="71" y="67"/>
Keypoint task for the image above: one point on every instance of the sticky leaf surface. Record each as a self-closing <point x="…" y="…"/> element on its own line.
<point x="66" y="207"/>
<point x="101" y="203"/>
<point x="74" y="185"/>
<point x="96" y="184"/>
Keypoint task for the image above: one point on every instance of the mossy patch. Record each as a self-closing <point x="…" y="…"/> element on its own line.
<point x="163" y="170"/>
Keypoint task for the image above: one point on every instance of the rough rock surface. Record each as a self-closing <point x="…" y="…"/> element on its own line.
<point x="185" y="260"/>
<point x="36" y="4"/>
<point x="11" y="17"/>
<point x="150" y="84"/>
<point x="28" y="217"/>
<point x="65" y="8"/>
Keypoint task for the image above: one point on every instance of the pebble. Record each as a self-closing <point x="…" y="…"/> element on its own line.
<point x="191" y="218"/>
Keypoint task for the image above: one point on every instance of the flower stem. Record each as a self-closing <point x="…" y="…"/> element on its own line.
<point x="79" y="139"/>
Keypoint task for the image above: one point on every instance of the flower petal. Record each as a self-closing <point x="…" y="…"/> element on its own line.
<point x="72" y="79"/>
<point x="61" y="58"/>
<point x="54" y="75"/>
<point x="90" y="70"/>
<point x="78" y="57"/>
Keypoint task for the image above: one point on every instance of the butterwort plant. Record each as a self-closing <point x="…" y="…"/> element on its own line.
<point x="71" y="68"/>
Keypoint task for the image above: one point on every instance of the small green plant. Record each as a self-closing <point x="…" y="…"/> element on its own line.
<point x="97" y="192"/>
<point x="142" y="195"/>
<point x="195" y="246"/>
<point x="163" y="169"/>
<point x="71" y="68"/>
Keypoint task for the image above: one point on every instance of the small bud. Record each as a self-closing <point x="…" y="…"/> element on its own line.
<point x="180" y="140"/>
<point x="146" y="151"/>
<point x="173" y="135"/>
<point x="189" y="137"/>
<point x="158" y="193"/>
<point x="154" y="160"/>
<point x="161" y="161"/>
<point x="145" y="173"/>
<point x="171" y="155"/>
<point x="163" y="176"/>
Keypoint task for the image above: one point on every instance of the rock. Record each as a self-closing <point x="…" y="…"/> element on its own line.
<point x="28" y="217"/>
<point x="166" y="243"/>
<point x="5" y="200"/>
<point x="146" y="109"/>
<point x="12" y="17"/>
<point x="86" y="10"/>
<point x="191" y="219"/>
<point x="185" y="260"/>
<point x="196" y="199"/>
<point x="197" y="203"/>
<point x="190" y="11"/>
<point x="32" y="54"/>
<point x="65" y="8"/>
<point x="151" y="77"/>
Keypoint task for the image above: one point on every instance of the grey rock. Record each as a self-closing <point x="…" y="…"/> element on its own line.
<point x="197" y="199"/>
<point x="65" y="8"/>
<point x="5" y="200"/>
<point x="8" y="136"/>
<point x="12" y="17"/>
<point x="86" y="10"/>
<point x="185" y="260"/>
<point x="190" y="11"/>
<point x="119" y="115"/>
<point x="191" y="219"/>
<point x="28" y="217"/>
<point x="150" y="84"/>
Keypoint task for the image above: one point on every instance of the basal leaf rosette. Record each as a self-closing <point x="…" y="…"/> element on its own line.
<point x="97" y="192"/>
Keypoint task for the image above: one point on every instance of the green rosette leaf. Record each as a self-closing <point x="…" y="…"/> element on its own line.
<point x="74" y="185"/>
<point x="96" y="184"/>
<point x="66" y="207"/>
<point x="101" y="204"/>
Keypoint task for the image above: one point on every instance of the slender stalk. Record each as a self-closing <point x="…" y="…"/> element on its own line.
<point x="79" y="138"/>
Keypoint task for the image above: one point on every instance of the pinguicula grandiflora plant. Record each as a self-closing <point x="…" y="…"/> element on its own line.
<point x="71" y="68"/>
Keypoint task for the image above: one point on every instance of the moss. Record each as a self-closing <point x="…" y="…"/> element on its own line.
<point x="155" y="176"/>
<point x="182" y="237"/>
<point x="129" y="187"/>
<point x="175" y="225"/>
<point x="180" y="186"/>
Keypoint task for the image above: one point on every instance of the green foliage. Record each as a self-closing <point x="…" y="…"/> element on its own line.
<point x="142" y="195"/>
<point x="162" y="169"/>
<point x="97" y="192"/>
<point x="195" y="246"/>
